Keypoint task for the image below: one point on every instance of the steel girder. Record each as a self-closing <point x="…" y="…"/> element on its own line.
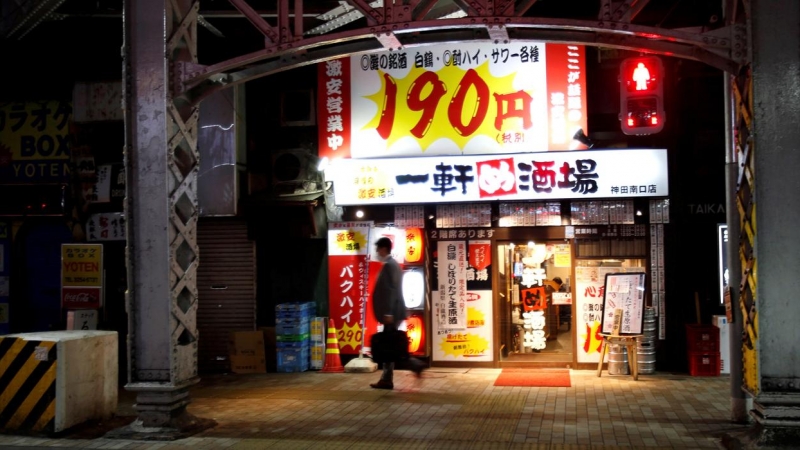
<point x="162" y="165"/>
<point x="389" y="26"/>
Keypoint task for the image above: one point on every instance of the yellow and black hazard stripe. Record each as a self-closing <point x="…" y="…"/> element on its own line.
<point x="27" y="385"/>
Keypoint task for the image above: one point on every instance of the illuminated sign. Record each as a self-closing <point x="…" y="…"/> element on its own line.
<point x="722" y="247"/>
<point x="453" y="99"/>
<point x="586" y="174"/>
<point x="641" y="95"/>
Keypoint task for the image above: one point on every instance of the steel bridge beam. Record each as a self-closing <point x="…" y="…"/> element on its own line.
<point x="724" y="48"/>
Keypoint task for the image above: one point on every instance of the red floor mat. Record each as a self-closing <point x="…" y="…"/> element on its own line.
<point x="534" y="378"/>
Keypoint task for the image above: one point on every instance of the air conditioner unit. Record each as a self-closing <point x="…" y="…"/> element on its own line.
<point x="294" y="171"/>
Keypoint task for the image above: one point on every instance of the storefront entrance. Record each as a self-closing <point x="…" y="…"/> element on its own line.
<point x="534" y="303"/>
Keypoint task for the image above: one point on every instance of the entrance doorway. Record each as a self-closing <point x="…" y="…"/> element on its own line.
<point x="535" y="309"/>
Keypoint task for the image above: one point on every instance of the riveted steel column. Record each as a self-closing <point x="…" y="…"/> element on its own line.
<point x="776" y="218"/>
<point x="161" y="161"/>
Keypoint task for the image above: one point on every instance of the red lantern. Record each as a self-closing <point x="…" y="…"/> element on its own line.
<point x="415" y="328"/>
<point x="414" y="245"/>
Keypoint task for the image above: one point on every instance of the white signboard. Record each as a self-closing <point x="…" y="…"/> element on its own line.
<point x="589" y="291"/>
<point x="450" y="306"/>
<point x="106" y="227"/>
<point x="453" y="99"/>
<point x="84" y="319"/>
<point x="624" y="291"/>
<point x="587" y="174"/>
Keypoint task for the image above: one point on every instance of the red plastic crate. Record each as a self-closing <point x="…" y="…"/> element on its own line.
<point x="702" y="338"/>
<point x="704" y="364"/>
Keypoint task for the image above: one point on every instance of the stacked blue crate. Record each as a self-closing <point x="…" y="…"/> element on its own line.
<point x="292" y="327"/>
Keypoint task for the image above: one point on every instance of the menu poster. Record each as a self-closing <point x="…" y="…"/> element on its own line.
<point x="624" y="291"/>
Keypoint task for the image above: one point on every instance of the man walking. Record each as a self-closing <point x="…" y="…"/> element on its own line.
<point x="389" y="307"/>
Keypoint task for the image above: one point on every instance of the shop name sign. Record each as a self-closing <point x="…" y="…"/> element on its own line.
<point x="34" y="141"/>
<point x="583" y="174"/>
<point x="453" y="99"/>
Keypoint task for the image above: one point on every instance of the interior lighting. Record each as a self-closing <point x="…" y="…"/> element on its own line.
<point x="359" y="213"/>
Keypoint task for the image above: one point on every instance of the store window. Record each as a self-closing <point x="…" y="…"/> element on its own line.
<point x="536" y="301"/>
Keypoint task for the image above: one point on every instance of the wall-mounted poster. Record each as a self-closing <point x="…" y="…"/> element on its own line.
<point x="474" y="341"/>
<point x="624" y="291"/>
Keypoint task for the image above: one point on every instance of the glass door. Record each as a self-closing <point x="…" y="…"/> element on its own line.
<point x="536" y="301"/>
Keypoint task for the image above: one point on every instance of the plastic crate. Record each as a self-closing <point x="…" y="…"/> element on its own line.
<point x="293" y="359"/>
<point x="307" y="314"/>
<point x="293" y="337"/>
<point x="292" y="325"/>
<point x="296" y="307"/>
<point x="292" y="344"/>
<point x="704" y="364"/>
<point x="702" y="338"/>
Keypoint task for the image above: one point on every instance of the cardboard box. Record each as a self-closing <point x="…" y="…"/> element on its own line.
<point x="246" y="343"/>
<point x="270" y="342"/>
<point x="248" y="364"/>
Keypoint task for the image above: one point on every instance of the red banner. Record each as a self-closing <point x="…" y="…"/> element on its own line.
<point x="534" y="299"/>
<point x="81" y="297"/>
<point x="372" y="323"/>
<point x="347" y="288"/>
<point x="566" y="75"/>
<point x="333" y="108"/>
<point x="480" y="254"/>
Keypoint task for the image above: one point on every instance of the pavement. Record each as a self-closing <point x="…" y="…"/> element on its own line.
<point x="446" y="409"/>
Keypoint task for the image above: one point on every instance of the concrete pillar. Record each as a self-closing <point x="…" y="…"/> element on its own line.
<point x="775" y="222"/>
<point x="161" y="209"/>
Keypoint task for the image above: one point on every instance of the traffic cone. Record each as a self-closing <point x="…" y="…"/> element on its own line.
<point x="333" y="362"/>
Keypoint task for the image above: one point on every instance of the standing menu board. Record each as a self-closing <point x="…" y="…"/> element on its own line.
<point x="624" y="291"/>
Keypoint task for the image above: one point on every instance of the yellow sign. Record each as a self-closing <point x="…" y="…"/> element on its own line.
<point x="34" y="136"/>
<point x="464" y="345"/>
<point x="562" y="257"/>
<point x="82" y="265"/>
<point x="349" y="336"/>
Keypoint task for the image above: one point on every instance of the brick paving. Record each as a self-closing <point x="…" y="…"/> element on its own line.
<point x="446" y="409"/>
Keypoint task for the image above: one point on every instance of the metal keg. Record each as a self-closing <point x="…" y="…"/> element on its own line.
<point x="618" y="360"/>
<point x="646" y="350"/>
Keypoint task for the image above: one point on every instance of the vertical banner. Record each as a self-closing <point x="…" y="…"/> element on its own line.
<point x="589" y="287"/>
<point x="333" y="110"/>
<point x="566" y="96"/>
<point x="81" y="276"/>
<point x="370" y="322"/>
<point x="450" y="307"/>
<point x="347" y="281"/>
<point x="474" y="342"/>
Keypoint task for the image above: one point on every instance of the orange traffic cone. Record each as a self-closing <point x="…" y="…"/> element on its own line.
<point x="333" y="363"/>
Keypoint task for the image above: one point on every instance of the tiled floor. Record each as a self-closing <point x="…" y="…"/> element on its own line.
<point x="446" y="409"/>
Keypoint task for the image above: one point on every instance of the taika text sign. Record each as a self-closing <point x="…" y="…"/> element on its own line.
<point x="586" y="174"/>
<point x="452" y="99"/>
<point x="81" y="276"/>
